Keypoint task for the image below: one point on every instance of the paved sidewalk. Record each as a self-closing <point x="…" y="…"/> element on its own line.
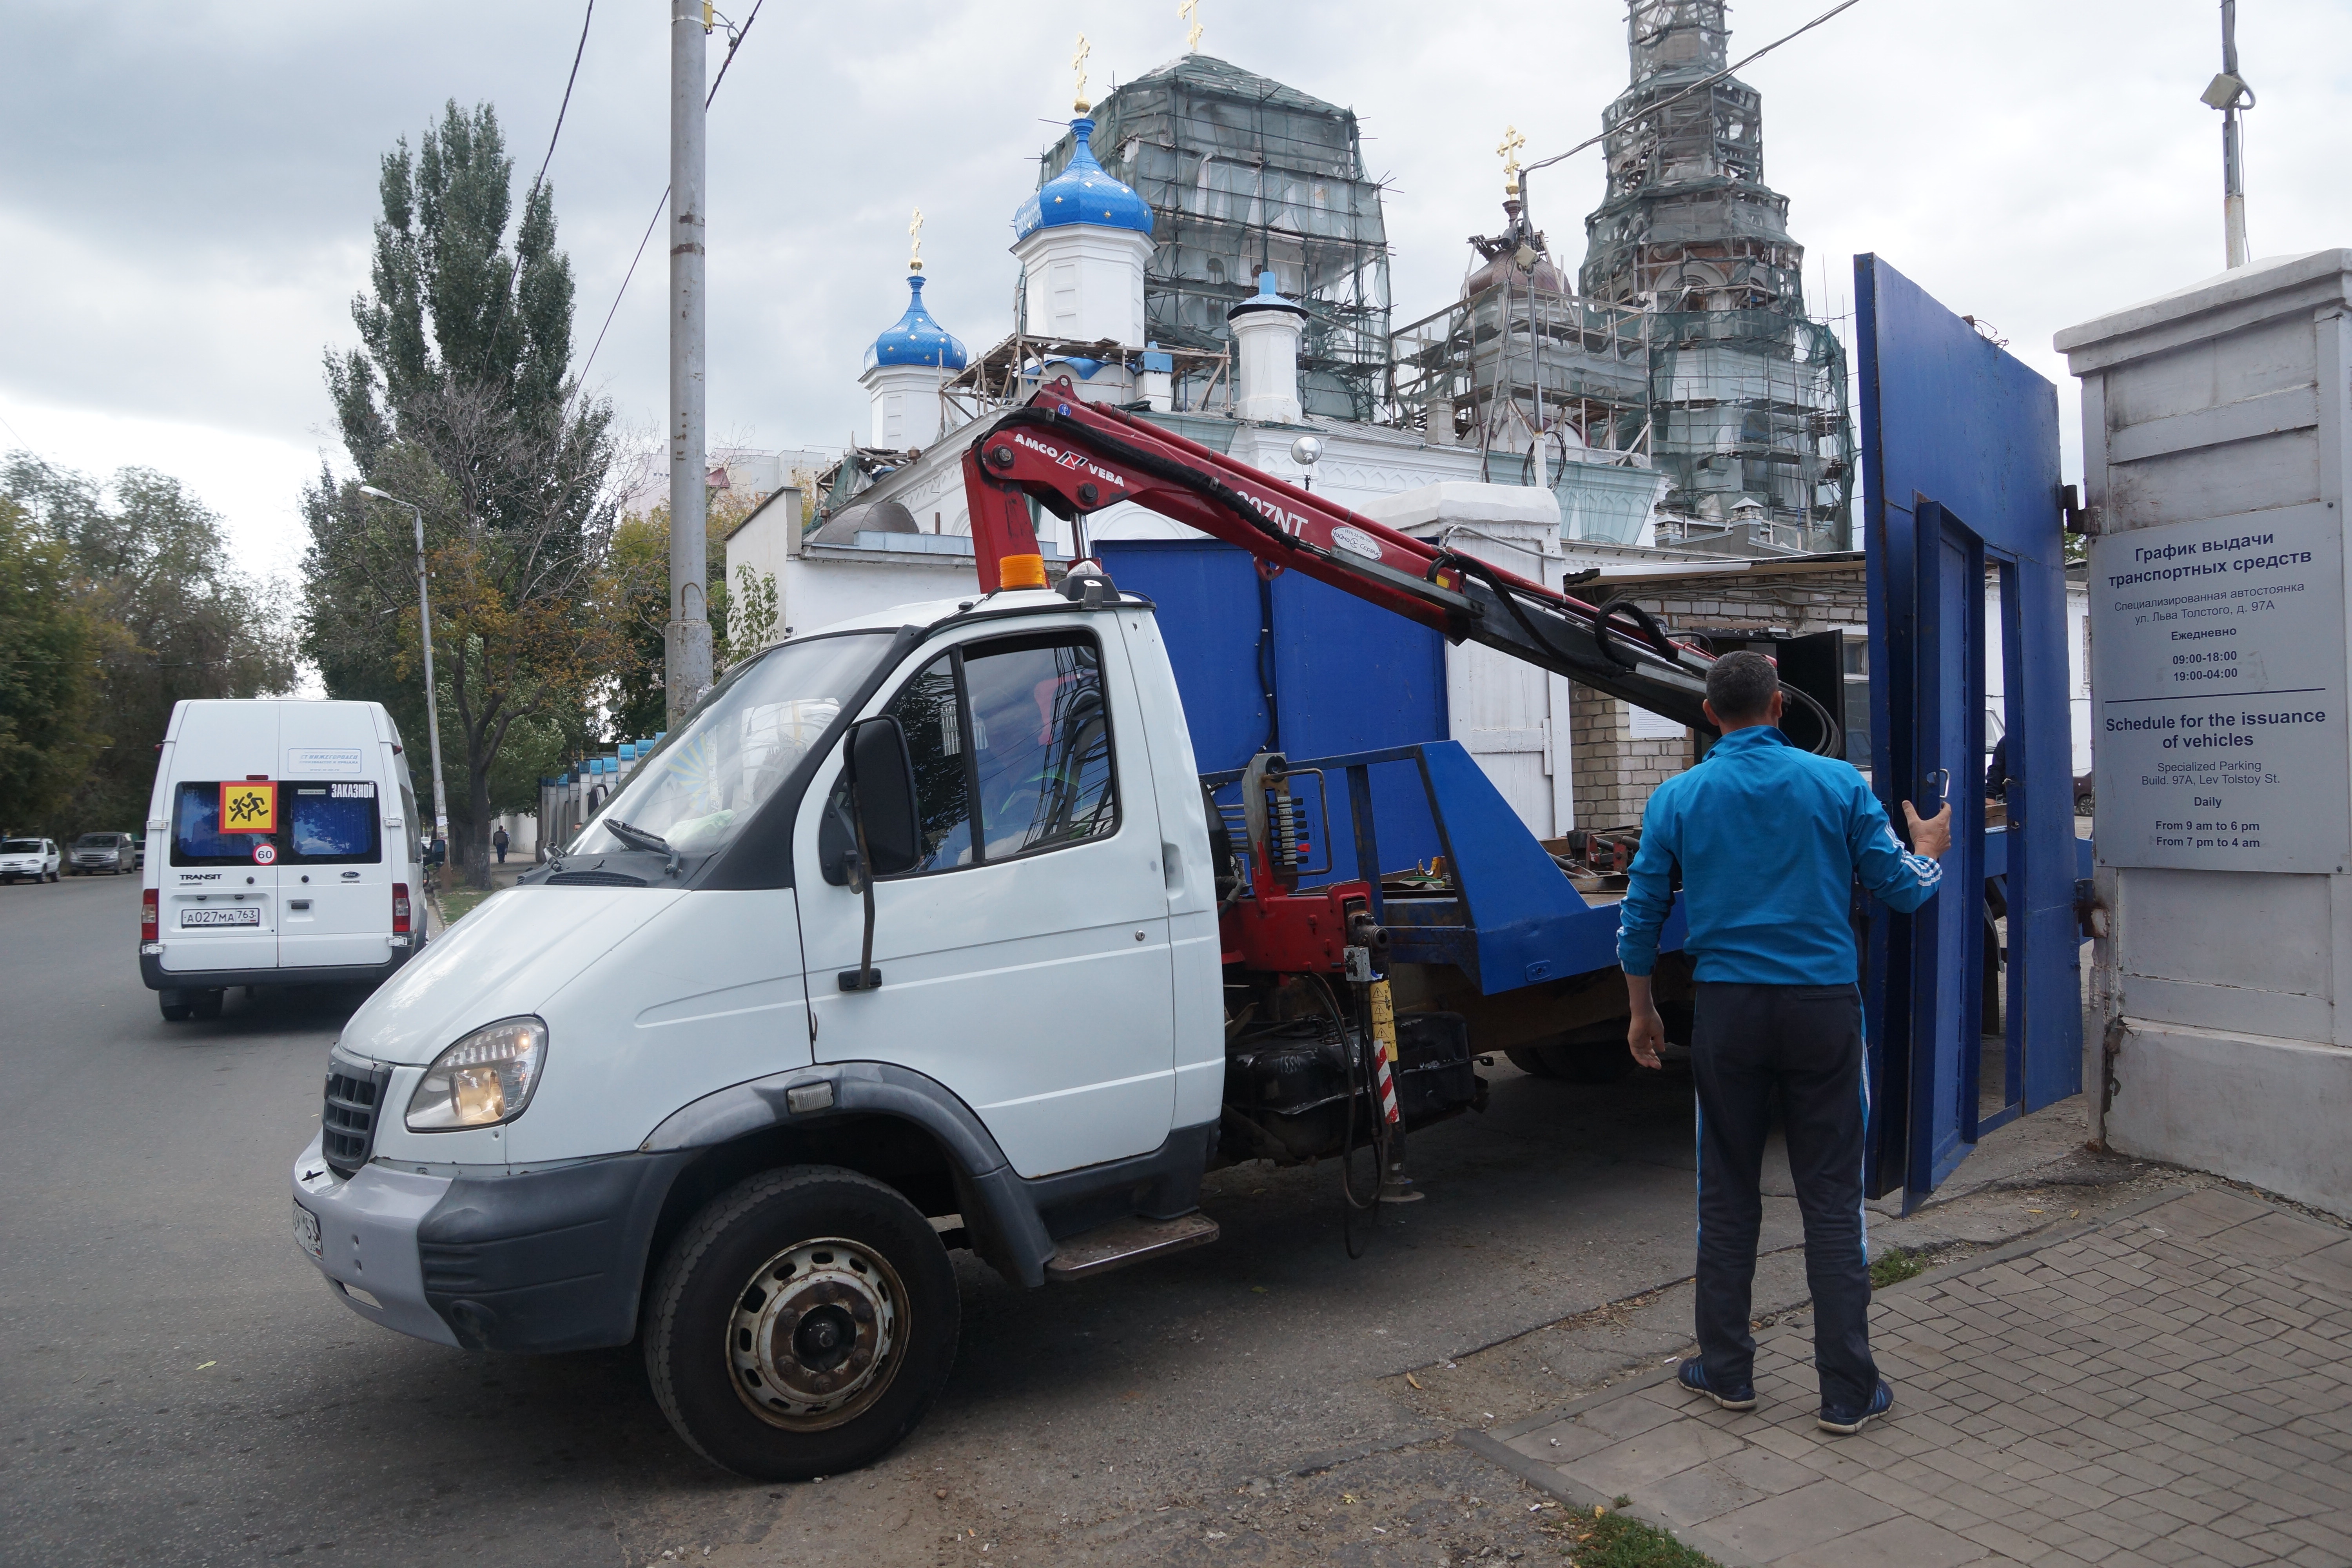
<point x="2167" y="1384"/>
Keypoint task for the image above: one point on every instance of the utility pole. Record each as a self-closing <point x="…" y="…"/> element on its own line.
<point x="686" y="672"/>
<point x="424" y="634"/>
<point x="2231" y="95"/>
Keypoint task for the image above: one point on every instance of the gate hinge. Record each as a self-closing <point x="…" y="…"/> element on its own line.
<point x="2077" y="518"/>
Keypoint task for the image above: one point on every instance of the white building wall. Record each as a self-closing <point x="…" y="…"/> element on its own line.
<point x="1508" y="714"/>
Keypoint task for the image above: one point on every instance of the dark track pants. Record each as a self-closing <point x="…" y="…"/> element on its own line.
<point x="1800" y="1046"/>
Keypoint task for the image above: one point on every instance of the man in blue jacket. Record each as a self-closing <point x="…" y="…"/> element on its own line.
<point x="1768" y="841"/>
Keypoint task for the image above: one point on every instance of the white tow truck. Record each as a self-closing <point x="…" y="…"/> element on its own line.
<point x="924" y="932"/>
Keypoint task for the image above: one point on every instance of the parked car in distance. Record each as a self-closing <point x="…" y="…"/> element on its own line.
<point x="113" y="853"/>
<point x="33" y="859"/>
<point x="2085" y="797"/>
<point x="138" y="848"/>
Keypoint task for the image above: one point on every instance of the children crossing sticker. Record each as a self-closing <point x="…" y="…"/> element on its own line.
<point x="249" y="807"/>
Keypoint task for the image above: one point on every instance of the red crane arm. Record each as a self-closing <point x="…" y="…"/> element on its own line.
<point x="1074" y="457"/>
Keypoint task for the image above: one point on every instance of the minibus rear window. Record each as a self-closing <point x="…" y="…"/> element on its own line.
<point x="196" y="838"/>
<point x="332" y="824"/>
<point x="321" y="823"/>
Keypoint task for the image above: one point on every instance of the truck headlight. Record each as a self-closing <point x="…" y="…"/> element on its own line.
<point x="483" y="1080"/>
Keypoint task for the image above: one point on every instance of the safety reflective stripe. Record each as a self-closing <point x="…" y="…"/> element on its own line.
<point x="1388" y="1087"/>
<point x="1862" y="1209"/>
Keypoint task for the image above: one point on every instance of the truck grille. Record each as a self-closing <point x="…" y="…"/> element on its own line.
<point x="347" y="1122"/>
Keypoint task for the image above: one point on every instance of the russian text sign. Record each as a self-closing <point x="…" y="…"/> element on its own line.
<point x="2218" y="691"/>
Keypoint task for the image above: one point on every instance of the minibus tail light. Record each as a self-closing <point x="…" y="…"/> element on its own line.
<point x="400" y="909"/>
<point x="148" y="921"/>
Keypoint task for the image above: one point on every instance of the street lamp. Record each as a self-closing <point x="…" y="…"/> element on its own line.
<point x="432" y="702"/>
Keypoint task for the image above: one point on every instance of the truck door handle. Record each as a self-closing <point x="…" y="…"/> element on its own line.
<point x="300" y="904"/>
<point x="1171" y="865"/>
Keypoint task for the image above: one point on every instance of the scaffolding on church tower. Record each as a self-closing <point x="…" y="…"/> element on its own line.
<point x="1243" y="175"/>
<point x="1545" y="385"/>
<point x="1747" y="413"/>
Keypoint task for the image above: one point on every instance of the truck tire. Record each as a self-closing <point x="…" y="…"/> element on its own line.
<point x="1529" y="1059"/>
<point x="1589" y="1062"/>
<point x="802" y="1324"/>
<point x="206" y="1005"/>
<point x="175" y="1008"/>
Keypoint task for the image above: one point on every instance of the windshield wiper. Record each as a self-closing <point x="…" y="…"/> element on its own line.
<point x="639" y="839"/>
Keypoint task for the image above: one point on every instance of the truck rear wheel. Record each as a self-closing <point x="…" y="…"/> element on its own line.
<point x="802" y="1324"/>
<point x="1590" y="1061"/>
<point x="1529" y="1059"/>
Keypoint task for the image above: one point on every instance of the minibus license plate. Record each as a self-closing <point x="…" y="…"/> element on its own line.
<point x="306" y="1230"/>
<point x="250" y="915"/>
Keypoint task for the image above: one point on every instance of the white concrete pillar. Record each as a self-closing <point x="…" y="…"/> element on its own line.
<point x="2217" y="421"/>
<point x="1267" y="328"/>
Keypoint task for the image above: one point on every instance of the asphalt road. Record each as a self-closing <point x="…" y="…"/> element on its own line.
<point x="179" y="1386"/>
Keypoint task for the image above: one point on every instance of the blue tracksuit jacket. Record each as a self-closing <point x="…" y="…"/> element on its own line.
<point x="1768" y="839"/>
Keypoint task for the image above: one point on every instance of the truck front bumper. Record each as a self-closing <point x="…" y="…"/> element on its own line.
<point x="491" y="1256"/>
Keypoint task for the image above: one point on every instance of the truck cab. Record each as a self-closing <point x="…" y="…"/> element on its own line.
<point x="671" y="1082"/>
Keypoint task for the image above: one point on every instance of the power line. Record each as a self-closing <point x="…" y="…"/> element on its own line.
<point x="559" y="111"/>
<point x="735" y="41"/>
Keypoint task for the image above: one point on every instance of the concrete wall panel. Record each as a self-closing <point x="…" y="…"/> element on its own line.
<point x="2264" y="1111"/>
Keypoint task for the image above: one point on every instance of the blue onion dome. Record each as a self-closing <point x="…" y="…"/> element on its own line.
<point x="1082" y="193"/>
<point x="916" y="339"/>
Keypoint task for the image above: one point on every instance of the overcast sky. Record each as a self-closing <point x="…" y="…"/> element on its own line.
<point x="186" y="188"/>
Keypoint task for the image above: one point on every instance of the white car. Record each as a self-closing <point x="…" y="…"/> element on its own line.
<point x="34" y="858"/>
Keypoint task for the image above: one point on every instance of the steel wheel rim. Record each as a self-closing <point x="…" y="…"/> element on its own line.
<point x="816" y="1334"/>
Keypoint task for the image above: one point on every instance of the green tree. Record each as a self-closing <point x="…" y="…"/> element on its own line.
<point x="640" y="577"/>
<point x="460" y="399"/>
<point x="170" y="617"/>
<point x="46" y="643"/>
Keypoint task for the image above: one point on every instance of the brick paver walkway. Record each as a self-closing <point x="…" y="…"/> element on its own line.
<point x="2170" y="1386"/>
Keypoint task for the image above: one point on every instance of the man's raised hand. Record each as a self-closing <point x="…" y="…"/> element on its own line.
<point x="1930" y="836"/>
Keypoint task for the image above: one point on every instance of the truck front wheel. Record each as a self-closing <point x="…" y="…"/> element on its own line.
<point x="802" y="1324"/>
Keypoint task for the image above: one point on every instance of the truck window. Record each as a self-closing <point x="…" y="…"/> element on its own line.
<point x="927" y="709"/>
<point x="703" y="783"/>
<point x="1041" y="744"/>
<point x="1018" y="726"/>
<point x="331" y="823"/>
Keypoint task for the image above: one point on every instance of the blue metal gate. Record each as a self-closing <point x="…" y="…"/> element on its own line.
<point x="1960" y="468"/>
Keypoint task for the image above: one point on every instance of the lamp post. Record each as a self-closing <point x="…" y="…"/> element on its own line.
<point x="2229" y="93"/>
<point x="432" y="696"/>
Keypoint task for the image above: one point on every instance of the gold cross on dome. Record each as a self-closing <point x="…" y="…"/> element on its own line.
<point x="1190" y="11"/>
<point x="914" y="253"/>
<point x="1078" y="64"/>
<point x="1509" y="150"/>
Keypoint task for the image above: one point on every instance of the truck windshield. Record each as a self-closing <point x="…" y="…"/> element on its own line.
<point x="702" y="784"/>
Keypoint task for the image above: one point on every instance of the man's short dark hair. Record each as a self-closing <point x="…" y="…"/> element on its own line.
<point x="1740" y="686"/>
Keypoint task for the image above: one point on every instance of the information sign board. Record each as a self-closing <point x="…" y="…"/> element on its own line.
<point x="2218" y="691"/>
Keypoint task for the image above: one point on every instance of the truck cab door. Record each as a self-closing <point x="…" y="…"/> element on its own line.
<point x="1960" y="459"/>
<point x="1025" y="961"/>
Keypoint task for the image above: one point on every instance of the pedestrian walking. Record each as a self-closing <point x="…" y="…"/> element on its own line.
<point x="499" y="841"/>
<point x="1769" y="840"/>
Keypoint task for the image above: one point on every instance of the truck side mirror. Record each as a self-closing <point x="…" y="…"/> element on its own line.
<point x="886" y="831"/>
<point x="882" y="794"/>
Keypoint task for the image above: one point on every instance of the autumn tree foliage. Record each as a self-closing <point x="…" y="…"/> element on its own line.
<point x="460" y="398"/>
